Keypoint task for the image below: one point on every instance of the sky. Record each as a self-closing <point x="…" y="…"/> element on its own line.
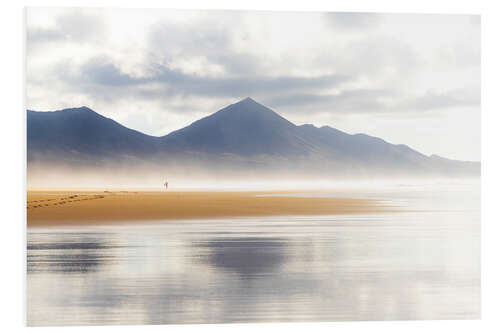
<point x="410" y="79"/>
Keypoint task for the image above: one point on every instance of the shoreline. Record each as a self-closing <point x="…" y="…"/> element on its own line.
<point x="47" y="208"/>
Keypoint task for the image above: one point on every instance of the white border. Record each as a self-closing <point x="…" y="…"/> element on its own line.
<point x="12" y="129"/>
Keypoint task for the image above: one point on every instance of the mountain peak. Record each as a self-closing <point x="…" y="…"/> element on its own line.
<point x="248" y="102"/>
<point x="84" y="108"/>
<point x="77" y="109"/>
<point x="245" y="127"/>
<point x="249" y="111"/>
<point x="81" y="109"/>
<point x="248" y="99"/>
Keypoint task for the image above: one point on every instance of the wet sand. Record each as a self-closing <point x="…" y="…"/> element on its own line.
<point x="57" y="208"/>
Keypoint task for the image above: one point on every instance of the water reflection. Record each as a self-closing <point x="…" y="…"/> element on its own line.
<point x="249" y="257"/>
<point x="65" y="256"/>
<point x="392" y="267"/>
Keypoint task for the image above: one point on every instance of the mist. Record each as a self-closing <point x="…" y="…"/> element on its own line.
<point x="200" y="177"/>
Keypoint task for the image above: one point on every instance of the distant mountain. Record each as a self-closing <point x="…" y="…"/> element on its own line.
<point x="246" y="128"/>
<point x="84" y="134"/>
<point x="244" y="136"/>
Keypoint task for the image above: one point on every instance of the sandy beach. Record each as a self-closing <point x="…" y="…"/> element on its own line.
<point x="54" y="208"/>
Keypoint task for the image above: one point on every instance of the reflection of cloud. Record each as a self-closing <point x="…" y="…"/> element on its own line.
<point x="248" y="256"/>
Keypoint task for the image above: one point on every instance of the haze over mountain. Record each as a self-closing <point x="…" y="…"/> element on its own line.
<point x="244" y="138"/>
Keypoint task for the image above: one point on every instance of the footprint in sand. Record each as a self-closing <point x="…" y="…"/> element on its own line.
<point x="62" y="201"/>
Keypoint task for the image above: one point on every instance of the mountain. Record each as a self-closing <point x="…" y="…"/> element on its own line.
<point x="245" y="136"/>
<point x="84" y="134"/>
<point x="251" y="130"/>
<point x="245" y="128"/>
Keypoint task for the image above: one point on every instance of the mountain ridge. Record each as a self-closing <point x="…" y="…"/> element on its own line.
<point x="242" y="135"/>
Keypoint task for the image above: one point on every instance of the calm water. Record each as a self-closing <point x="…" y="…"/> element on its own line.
<point x="417" y="265"/>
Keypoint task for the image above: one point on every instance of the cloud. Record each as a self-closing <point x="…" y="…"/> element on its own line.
<point x="101" y="77"/>
<point x="170" y="43"/>
<point x="433" y="100"/>
<point x="80" y="26"/>
<point x="356" y="100"/>
<point x="346" y="22"/>
<point x="73" y="26"/>
<point x="475" y="20"/>
<point x="43" y="35"/>
<point x="101" y="71"/>
<point x="370" y="101"/>
<point x="202" y="57"/>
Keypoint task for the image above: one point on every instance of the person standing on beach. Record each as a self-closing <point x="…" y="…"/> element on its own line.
<point x="166" y="185"/>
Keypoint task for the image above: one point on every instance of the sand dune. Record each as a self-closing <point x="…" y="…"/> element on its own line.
<point x="52" y="208"/>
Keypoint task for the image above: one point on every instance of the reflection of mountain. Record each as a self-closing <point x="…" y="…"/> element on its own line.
<point x="248" y="257"/>
<point x="67" y="255"/>
<point x="243" y="136"/>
